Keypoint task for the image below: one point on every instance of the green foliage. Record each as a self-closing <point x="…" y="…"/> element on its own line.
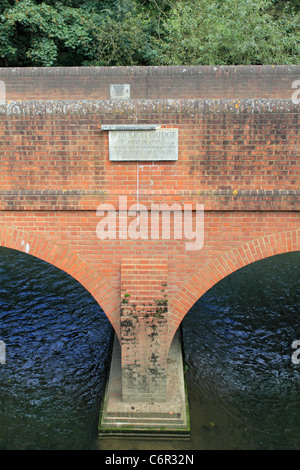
<point x="228" y="32"/>
<point x="123" y="35"/>
<point x="40" y="34"/>
<point x="149" y="32"/>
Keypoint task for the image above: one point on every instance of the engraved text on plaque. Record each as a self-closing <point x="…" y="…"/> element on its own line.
<point x="148" y="145"/>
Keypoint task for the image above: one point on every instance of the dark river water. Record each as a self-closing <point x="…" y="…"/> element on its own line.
<point x="243" y="386"/>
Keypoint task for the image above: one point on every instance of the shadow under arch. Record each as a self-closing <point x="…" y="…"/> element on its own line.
<point x="68" y="261"/>
<point x="219" y="268"/>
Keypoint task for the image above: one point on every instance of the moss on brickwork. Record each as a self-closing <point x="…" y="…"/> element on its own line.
<point x="188" y="107"/>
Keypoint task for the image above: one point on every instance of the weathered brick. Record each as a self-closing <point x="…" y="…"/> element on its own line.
<point x="239" y="149"/>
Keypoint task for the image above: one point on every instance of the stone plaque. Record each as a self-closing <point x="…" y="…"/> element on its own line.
<point x="148" y="145"/>
<point x="119" y="92"/>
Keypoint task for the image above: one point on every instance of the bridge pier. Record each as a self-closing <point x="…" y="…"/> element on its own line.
<point x="144" y="417"/>
<point x="143" y="329"/>
<point x="146" y="390"/>
<point x="144" y="359"/>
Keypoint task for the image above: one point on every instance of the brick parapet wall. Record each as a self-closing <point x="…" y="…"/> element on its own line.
<point x="233" y="155"/>
<point x="175" y="82"/>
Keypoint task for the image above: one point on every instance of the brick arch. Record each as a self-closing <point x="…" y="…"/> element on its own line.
<point x="219" y="268"/>
<point x="69" y="262"/>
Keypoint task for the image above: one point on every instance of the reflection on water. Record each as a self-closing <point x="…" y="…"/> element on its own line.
<point x="243" y="387"/>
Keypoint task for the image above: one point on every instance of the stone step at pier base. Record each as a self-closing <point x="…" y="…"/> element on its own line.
<point x="170" y="418"/>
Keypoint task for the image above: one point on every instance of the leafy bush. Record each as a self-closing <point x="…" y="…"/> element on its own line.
<point x="229" y="32"/>
<point x="149" y="32"/>
<point x="40" y="34"/>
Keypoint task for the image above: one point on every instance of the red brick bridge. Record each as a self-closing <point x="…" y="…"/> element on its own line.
<point x="238" y="159"/>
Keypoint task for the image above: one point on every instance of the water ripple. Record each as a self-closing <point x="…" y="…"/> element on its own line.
<point x="237" y="341"/>
<point x="57" y="342"/>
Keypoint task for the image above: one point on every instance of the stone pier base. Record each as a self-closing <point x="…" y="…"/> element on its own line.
<point x="125" y="418"/>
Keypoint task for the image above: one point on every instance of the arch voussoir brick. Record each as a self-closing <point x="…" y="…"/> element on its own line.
<point x="65" y="259"/>
<point x="230" y="261"/>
